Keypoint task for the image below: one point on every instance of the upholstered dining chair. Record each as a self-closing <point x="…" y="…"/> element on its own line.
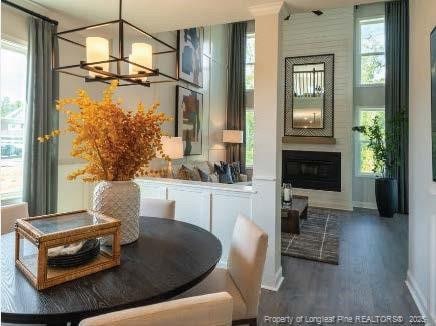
<point x="206" y="310"/>
<point x="243" y="276"/>
<point x="157" y="208"/>
<point x="10" y="213"/>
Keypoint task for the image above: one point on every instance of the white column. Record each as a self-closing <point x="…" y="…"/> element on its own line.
<point x="268" y="105"/>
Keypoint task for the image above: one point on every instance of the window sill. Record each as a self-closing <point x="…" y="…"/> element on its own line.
<point x="366" y="176"/>
<point x="370" y="85"/>
<point x="11" y="201"/>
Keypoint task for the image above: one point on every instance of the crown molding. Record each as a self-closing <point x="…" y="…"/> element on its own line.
<point x="271" y="8"/>
<point x="40" y="9"/>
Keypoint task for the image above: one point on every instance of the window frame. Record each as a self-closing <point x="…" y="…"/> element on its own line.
<point x="358" y="142"/>
<point x="359" y="54"/>
<point x="18" y="45"/>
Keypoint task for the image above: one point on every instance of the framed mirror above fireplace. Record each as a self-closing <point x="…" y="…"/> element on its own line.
<point x="309" y="102"/>
<point x="308" y="96"/>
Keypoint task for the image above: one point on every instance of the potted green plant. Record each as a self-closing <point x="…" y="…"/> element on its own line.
<point x="386" y="188"/>
<point x="117" y="145"/>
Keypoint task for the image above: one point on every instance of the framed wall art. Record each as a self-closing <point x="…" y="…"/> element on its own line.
<point x="309" y="96"/>
<point x="190" y="55"/>
<point x="189" y="120"/>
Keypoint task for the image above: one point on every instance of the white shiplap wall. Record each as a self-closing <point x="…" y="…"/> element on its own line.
<point x="308" y="34"/>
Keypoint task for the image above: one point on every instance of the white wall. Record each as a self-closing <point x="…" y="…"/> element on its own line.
<point x="308" y="34"/>
<point x="12" y="23"/>
<point x="75" y="195"/>
<point x="421" y="277"/>
<point x="214" y="105"/>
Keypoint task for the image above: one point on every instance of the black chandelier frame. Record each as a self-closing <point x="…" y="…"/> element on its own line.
<point x="127" y="80"/>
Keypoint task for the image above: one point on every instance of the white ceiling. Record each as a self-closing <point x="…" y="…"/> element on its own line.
<point x="166" y="15"/>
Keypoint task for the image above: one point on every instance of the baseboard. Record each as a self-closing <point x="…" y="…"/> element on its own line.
<point x="331" y="205"/>
<point x="277" y="283"/>
<point x="419" y="299"/>
<point x="363" y="204"/>
<point x="278" y="279"/>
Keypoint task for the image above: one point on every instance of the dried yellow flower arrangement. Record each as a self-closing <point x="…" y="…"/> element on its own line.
<point x="117" y="144"/>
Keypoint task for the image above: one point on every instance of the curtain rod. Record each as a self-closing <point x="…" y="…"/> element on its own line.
<point x="30" y="12"/>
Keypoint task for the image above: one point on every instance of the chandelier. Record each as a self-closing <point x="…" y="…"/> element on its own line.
<point x="99" y="60"/>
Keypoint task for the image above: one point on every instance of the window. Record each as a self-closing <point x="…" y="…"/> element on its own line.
<point x="249" y="99"/>
<point x="371" y="49"/>
<point x="249" y="62"/>
<point x="13" y="96"/>
<point x="366" y="155"/>
<point x="249" y="132"/>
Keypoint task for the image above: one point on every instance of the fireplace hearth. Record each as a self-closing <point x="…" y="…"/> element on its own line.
<point x="312" y="170"/>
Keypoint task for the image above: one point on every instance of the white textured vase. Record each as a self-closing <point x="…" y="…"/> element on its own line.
<point x="120" y="200"/>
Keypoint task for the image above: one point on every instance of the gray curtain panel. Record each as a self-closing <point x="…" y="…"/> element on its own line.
<point x="41" y="160"/>
<point x="397" y="93"/>
<point x="236" y="91"/>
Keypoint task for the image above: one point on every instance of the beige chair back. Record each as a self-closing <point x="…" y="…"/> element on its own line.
<point x="157" y="208"/>
<point x="10" y="213"/>
<point x="206" y="310"/>
<point x="246" y="261"/>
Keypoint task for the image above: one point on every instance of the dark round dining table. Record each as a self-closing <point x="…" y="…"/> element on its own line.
<point x="168" y="258"/>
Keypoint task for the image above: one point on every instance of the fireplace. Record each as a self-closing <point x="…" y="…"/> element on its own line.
<point x="312" y="170"/>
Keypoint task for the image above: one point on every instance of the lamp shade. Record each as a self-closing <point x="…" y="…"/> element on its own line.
<point x="172" y="146"/>
<point x="97" y="49"/>
<point x="233" y="136"/>
<point x="142" y="54"/>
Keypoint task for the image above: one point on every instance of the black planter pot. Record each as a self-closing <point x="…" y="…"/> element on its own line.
<point x="386" y="194"/>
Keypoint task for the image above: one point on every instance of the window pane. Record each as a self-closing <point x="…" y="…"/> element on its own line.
<point x="372" y="69"/>
<point x="249" y="60"/>
<point x="372" y="36"/>
<point x="366" y="118"/>
<point x="249" y="51"/>
<point x="366" y="159"/>
<point x="249" y="131"/>
<point x="12" y="101"/>
<point x="249" y="76"/>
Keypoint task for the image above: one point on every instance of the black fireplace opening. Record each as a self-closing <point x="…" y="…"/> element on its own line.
<point x="312" y="170"/>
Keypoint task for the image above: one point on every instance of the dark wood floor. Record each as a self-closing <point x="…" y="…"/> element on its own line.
<point x="369" y="279"/>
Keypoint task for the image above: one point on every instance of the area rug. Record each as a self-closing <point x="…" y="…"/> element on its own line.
<point x="318" y="239"/>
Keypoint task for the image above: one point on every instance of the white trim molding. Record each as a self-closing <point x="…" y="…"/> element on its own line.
<point x="432" y="189"/>
<point x="272" y="8"/>
<point x="419" y="299"/>
<point x="340" y="205"/>
<point x="362" y="204"/>
<point x="264" y="178"/>
<point x="275" y="287"/>
<point x="278" y="281"/>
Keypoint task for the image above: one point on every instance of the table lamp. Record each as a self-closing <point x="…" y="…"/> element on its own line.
<point x="173" y="148"/>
